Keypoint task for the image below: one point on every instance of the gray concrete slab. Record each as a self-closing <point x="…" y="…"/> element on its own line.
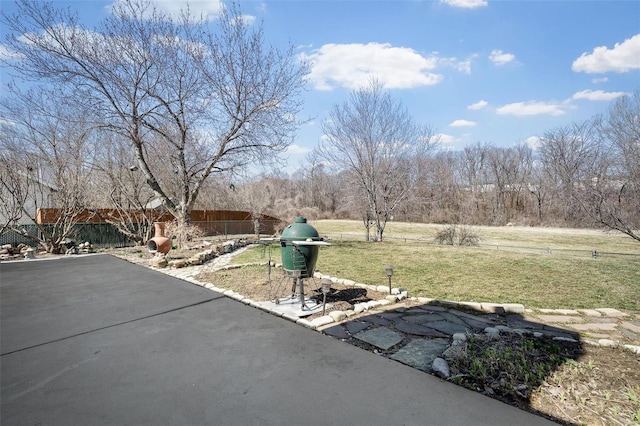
<point x="212" y="361"/>
<point x="293" y="307"/>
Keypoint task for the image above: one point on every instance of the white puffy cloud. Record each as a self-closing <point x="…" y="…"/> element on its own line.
<point x="623" y="57"/>
<point x="532" y="108"/>
<point x="600" y="80"/>
<point x="444" y="138"/>
<point x="463" y="123"/>
<point x="597" y="95"/>
<point x="245" y="19"/>
<point x="478" y="105"/>
<point x="533" y="142"/>
<point x="297" y="149"/>
<point x="6" y="53"/>
<point x="353" y="65"/>
<point x="499" y="57"/>
<point x="465" y="4"/>
<point x="462" y="66"/>
<point x="209" y="10"/>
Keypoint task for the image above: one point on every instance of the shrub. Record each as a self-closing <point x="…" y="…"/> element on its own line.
<point x="467" y="236"/>
<point x="457" y="235"/>
<point x="183" y="233"/>
<point x="446" y="235"/>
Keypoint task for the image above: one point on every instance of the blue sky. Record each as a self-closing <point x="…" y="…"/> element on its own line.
<point x="498" y="72"/>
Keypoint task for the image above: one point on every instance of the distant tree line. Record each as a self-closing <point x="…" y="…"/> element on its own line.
<point x="150" y="111"/>
<point x="580" y="175"/>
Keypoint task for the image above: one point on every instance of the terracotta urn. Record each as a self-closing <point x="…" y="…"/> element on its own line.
<point x="159" y="243"/>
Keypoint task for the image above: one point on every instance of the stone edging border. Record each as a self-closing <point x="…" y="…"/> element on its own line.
<point x="397" y="295"/>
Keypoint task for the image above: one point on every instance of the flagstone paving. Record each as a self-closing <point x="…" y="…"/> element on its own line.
<point x="420" y="353"/>
<point x="417" y="336"/>
<point x="380" y="337"/>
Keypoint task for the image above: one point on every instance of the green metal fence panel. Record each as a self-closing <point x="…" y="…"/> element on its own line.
<point x="101" y="235"/>
<point x="98" y="234"/>
<point x="16" y="238"/>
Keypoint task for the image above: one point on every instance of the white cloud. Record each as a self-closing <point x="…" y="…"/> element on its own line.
<point x="297" y="149"/>
<point x="52" y="39"/>
<point x="499" y="57"/>
<point x="533" y="142"/>
<point x="597" y="95"/>
<point x="209" y="10"/>
<point x="6" y="53"/>
<point x="600" y="80"/>
<point x="532" y="108"/>
<point x="444" y="138"/>
<point x="478" y="105"/>
<point x="623" y="57"/>
<point x="245" y="19"/>
<point x="462" y="66"/>
<point x="353" y="65"/>
<point x="463" y="123"/>
<point x="465" y="4"/>
<point x="6" y="122"/>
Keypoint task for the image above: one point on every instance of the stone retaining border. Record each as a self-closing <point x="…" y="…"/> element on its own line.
<point x="221" y="260"/>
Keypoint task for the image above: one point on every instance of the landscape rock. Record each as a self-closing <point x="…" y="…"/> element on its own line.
<point x="441" y="368"/>
<point x="359" y="308"/>
<point x="158" y="262"/>
<point x="338" y="315"/>
<point x="178" y="263"/>
<point x="320" y="321"/>
<point x="459" y="338"/>
<point x="492" y="333"/>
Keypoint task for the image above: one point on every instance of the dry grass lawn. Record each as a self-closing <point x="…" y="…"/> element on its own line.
<point x="556" y="271"/>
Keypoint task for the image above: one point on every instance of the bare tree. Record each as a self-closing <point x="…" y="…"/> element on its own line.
<point x="49" y="145"/>
<point x="511" y="171"/>
<point x="122" y="197"/>
<point x="186" y="97"/>
<point x="439" y="188"/>
<point x="257" y="198"/>
<point x="473" y="173"/>
<point x="321" y="189"/>
<point x="615" y="183"/>
<point x="567" y="154"/>
<point x="539" y="188"/>
<point x="13" y="191"/>
<point x="374" y="138"/>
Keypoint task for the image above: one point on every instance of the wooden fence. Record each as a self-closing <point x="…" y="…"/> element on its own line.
<point x="90" y="226"/>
